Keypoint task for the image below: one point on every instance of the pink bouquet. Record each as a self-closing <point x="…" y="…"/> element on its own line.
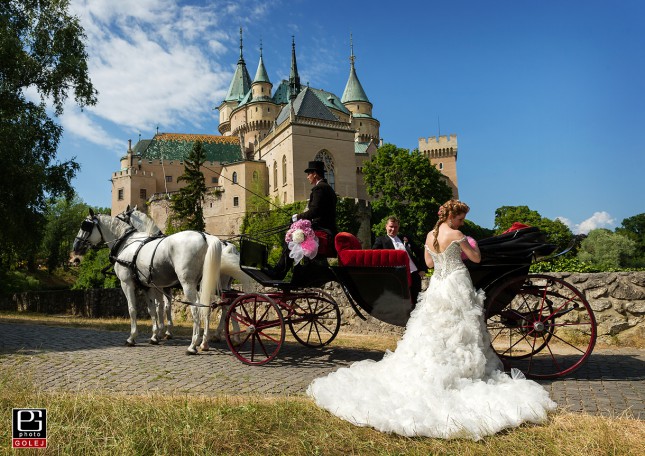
<point x="301" y="240"/>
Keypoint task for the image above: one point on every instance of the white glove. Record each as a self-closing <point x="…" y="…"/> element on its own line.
<point x="294" y="217"/>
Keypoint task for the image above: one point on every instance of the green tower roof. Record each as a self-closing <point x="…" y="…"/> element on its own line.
<point x="241" y="82"/>
<point x="353" y="90"/>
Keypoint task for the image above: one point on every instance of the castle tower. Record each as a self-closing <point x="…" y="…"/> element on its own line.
<point x="442" y="153"/>
<point x="356" y="101"/>
<point x="240" y="85"/>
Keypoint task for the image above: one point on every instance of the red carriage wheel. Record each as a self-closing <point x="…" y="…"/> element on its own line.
<point x="261" y="328"/>
<point x="540" y="325"/>
<point x="315" y="318"/>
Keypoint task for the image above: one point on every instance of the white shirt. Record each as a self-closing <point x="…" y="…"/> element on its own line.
<point x="398" y="245"/>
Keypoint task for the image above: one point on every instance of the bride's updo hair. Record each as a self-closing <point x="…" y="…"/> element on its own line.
<point x="452" y="207"/>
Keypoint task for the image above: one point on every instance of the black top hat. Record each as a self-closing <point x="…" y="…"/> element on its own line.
<point x="316" y="166"/>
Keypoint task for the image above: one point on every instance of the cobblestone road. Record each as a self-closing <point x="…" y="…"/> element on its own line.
<point x="611" y="382"/>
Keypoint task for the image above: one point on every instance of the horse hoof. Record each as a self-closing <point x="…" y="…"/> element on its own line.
<point x="154" y="342"/>
<point x="168" y="336"/>
<point x="191" y="352"/>
<point x="129" y="344"/>
<point x="204" y="349"/>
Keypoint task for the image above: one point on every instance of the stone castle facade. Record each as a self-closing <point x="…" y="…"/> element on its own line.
<point x="268" y="134"/>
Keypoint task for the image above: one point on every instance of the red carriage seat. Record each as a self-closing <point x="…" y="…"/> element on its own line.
<point x="325" y="244"/>
<point x="350" y="253"/>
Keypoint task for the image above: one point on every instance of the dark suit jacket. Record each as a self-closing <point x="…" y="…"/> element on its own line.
<point x="384" y="242"/>
<point x="322" y="207"/>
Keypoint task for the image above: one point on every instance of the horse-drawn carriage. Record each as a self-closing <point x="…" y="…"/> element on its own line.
<point x="539" y="324"/>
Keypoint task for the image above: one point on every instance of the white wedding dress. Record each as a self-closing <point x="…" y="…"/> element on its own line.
<point x="443" y="380"/>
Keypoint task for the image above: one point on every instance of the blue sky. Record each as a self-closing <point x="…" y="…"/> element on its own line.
<point x="546" y="97"/>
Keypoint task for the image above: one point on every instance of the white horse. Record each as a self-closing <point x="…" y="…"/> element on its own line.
<point x="188" y="258"/>
<point x="229" y="270"/>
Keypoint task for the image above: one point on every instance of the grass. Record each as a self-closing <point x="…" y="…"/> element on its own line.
<point x="97" y="423"/>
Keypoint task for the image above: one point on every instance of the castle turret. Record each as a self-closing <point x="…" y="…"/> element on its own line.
<point x="261" y="85"/>
<point x="356" y="101"/>
<point x="240" y="85"/>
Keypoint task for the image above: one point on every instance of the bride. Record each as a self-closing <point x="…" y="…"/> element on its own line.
<point x="443" y="380"/>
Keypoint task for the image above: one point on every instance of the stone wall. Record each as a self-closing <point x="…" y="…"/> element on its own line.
<point x="94" y="303"/>
<point x="617" y="298"/>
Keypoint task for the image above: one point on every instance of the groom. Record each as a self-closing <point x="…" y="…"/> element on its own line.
<point x="397" y="241"/>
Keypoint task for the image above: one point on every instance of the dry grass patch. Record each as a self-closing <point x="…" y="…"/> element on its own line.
<point x="102" y="424"/>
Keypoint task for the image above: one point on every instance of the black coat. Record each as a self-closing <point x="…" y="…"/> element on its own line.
<point x="322" y="207"/>
<point x="384" y="242"/>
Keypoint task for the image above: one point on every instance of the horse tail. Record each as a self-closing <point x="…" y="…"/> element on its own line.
<point x="231" y="267"/>
<point x="211" y="270"/>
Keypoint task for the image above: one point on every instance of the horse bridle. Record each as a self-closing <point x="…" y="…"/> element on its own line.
<point x="87" y="226"/>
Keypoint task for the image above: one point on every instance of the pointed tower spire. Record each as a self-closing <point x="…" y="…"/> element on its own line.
<point x="353" y="90"/>
<point x="294" y="79"/>
<point x="241" y="82"/>
<point x="261" y="74"/>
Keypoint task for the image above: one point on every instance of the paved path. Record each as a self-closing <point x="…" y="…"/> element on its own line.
<point x="611" y="382"/>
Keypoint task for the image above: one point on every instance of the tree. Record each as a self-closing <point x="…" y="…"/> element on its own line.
<point x="187" y="210"/>
<point x="62" y="220"/>
<point x="406" y="185"/>
<point x="93" y="271"/>
<point x="634" y="229"/>
<point x="41" y="48"/>
<point x="605" y="249"/>
<point x="556" y="232"/>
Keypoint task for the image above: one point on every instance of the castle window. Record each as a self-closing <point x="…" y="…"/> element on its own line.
<point x="275" y="175"/>
<point x="168" y="178"/>
<point x="235" y="177"/>
<point x="256" y="176"/>
<point x="284" y="170"/>
<point x="214" y="180"/>
<point x="325" y="157"/>
<point x="440" y="165"/>
<point x="143" y="194"/>
<point x="268" y="109"/>
<point x="284" y="198"/>
<point x="120" y="194"/>
<point x="236" y="201"/>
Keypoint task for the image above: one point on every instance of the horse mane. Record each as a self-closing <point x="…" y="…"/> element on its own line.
<point x="148" y="225"/>
<point x="116" y="226"/>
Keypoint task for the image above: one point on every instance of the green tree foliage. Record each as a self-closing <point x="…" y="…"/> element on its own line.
<point x="63" y="219"/>
<point x="187" y="204"/>
<point x="605" y="249"/>
<point x="406" y="185"/>
<point x="556" y="232"/>
<point x="41" y="48"/>
<point x="475" y="231"/>
<point x="634" y="229"/>
<point x="93" y="271"/>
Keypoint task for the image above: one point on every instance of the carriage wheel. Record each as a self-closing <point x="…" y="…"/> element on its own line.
<point x="261" y="328"/>
<point x="315" y="319"/>
<point x="547" y="330"/>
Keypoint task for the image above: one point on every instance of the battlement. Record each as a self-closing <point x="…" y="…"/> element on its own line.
<point x="132" y="172"/>
<point x="441" y="141"/>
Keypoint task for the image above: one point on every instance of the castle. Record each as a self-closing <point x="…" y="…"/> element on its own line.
<point x="266" y="139"/>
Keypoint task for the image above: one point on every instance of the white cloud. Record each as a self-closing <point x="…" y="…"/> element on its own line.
<point x="153" y="63"/>
<point x="597" y="220"/>
<point x="81" y="124"/>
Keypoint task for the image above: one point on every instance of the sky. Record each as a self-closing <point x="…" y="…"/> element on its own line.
<point x="546" y="97"/>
